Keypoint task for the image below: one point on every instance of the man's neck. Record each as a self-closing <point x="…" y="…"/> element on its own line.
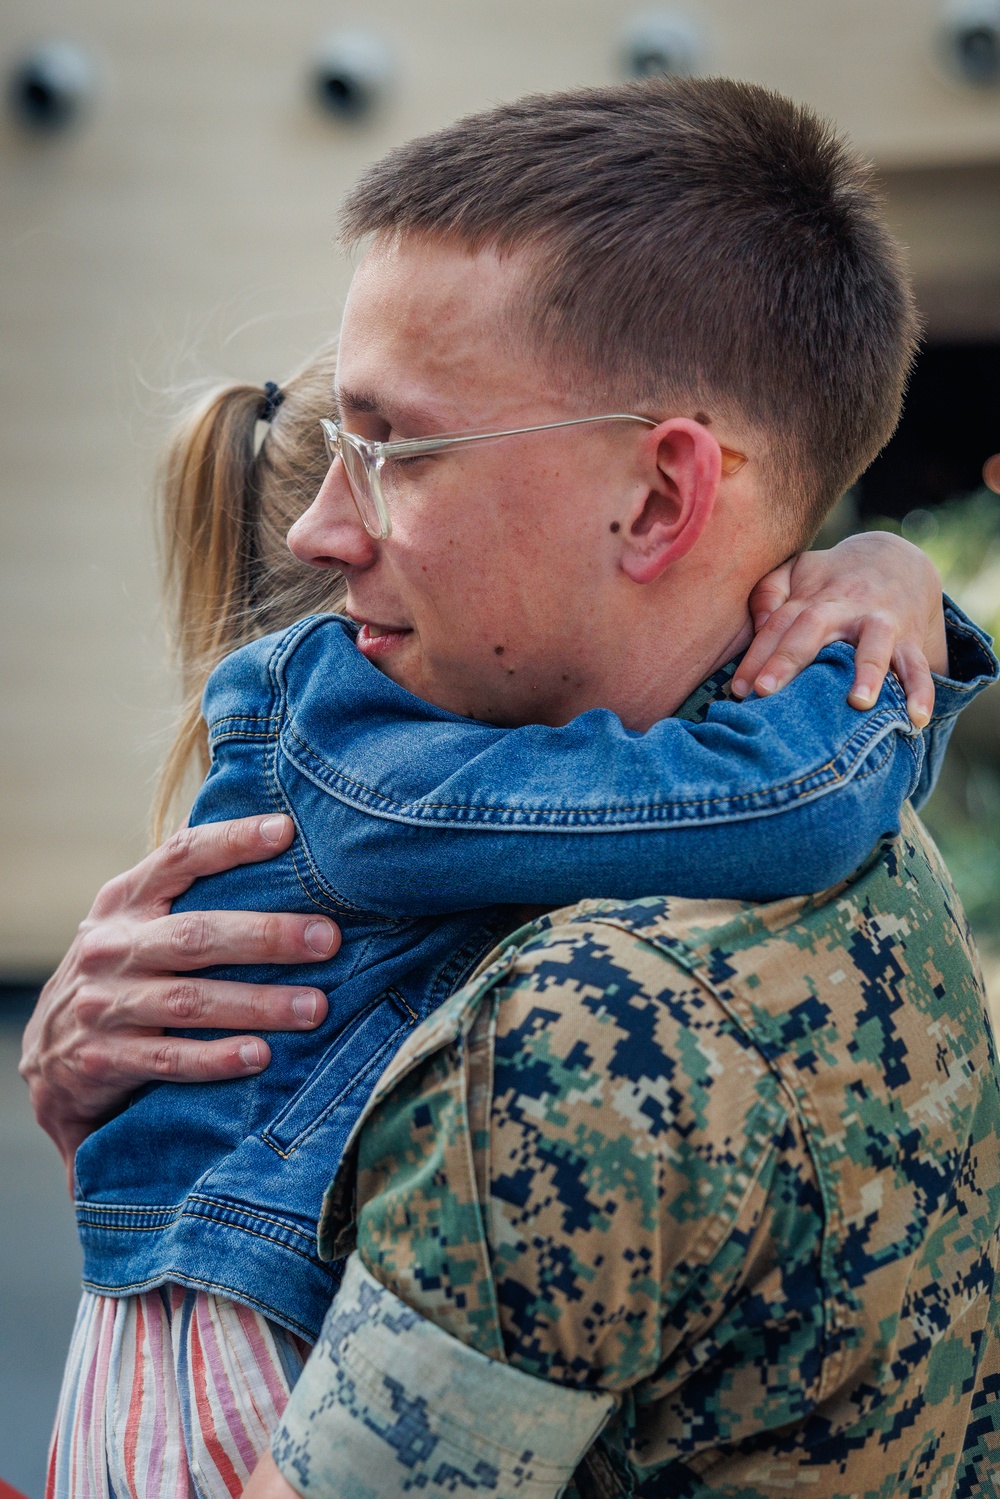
<point x="662" y="666"/>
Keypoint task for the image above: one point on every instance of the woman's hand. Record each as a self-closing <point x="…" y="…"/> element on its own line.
<point x="876" y="591"/>
<point x="98" y="1029"/>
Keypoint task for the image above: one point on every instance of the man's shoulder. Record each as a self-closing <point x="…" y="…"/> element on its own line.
<point x="899" y="907"/>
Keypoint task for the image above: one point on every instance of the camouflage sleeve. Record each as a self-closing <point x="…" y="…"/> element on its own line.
<point x="388" y="1404"/>
<point x="585" y="1187"/>
<point x="592" y="1185"/>
<point x="643" y="1163"/>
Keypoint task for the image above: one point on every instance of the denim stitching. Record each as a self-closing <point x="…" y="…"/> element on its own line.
<point x="171" y="1214"/>
<point x="856" y="749"/>
<point x="331" y="902"/>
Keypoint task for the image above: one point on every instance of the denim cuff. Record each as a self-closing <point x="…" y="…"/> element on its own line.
<point x="390" y="1405"/>
<point x="971" y="663"/>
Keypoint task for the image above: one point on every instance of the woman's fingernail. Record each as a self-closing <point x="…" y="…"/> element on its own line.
<point x="250" y="1056"/>
<point x="272" y="829"/>
<point x="767" y="684"/>
<point x="304" y="1006"/>
<point x="320" y="937"/>
<point x="864" y="693"/>
<point x="739" y="688"/>
<point x="919" y="717"/>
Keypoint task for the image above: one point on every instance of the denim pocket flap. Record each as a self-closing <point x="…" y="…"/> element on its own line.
<point x="344" y="1077"/>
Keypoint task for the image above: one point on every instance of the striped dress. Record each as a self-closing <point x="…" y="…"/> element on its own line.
<point x="172" y="1394"/>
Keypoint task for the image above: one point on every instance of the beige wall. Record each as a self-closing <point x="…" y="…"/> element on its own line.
<point x="186" y="231"/>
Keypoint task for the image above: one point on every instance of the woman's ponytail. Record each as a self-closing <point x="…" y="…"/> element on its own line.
<point x="226" y="503"/>
<point x="209" y="522"/>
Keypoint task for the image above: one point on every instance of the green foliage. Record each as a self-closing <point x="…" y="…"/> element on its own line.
<point x="962" y="538"/>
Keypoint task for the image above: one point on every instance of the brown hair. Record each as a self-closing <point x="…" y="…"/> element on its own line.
<point x="691" y="239"/>
<point x="225" y="506"/>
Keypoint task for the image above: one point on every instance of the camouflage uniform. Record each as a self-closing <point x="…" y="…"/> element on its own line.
<point x="679" y="1198"/>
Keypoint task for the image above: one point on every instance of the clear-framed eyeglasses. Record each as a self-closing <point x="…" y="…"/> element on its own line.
<point x="366" y="462"/>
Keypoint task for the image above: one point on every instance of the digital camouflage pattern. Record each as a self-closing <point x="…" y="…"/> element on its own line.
<point x="390" y="1405"/>
<point x="738" y="1166"/>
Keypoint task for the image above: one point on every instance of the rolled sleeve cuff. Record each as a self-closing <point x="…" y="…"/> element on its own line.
<point x="389" y="1404"/>
<point x="972" y="663"/>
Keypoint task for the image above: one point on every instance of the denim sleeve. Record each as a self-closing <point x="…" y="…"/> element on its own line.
<point x="763" y="798"/>
<point x="972" y="667"/>
<point x="424" y="813"/>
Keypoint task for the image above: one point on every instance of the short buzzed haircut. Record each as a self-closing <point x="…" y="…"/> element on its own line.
<point x="693" y="240"/>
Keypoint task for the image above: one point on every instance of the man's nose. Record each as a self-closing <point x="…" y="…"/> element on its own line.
<point x="330" y="533"/>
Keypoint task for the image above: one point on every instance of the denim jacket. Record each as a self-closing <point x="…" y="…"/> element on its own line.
<point x="418" y="831"/>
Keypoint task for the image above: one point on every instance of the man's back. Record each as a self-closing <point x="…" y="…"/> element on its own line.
<point x="738" y="1166"/>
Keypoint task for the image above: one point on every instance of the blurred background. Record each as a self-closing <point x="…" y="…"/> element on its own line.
<point x="169" y="183"/>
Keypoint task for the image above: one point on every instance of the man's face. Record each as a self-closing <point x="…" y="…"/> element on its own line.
<point x="491" y="596"/>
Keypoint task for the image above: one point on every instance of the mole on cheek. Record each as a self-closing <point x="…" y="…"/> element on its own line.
<point x="614" y="527"/>
<point x="498" y="650"/>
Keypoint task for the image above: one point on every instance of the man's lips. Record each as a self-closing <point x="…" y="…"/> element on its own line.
<point x="375" y="639"/>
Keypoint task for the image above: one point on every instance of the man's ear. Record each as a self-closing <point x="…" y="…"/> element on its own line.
<point x="681" y="480"/>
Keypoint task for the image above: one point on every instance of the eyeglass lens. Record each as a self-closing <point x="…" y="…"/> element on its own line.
<point x="359" y="479"/>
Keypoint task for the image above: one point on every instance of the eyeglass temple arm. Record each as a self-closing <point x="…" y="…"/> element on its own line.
<point x="413" y="445"/>
<point x="732" y="460"/>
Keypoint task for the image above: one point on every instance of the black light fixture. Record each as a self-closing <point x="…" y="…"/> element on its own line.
<point x="969" y="40"/>
<point x="350" y="74"/>
<point x="662" y="43"/>
<point x="51" y="88"/>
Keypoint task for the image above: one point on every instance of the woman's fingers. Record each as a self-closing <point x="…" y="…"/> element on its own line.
<point x="912" y="669"/>
<point x="763" y="647"/>
<point x="792" y="638"/>
<point x="192" y="853"/>
<point x="770" y="593"/>
<point x="872" y="659"/>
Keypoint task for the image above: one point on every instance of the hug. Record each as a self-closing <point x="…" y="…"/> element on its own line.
<point x="629" y="1122"/>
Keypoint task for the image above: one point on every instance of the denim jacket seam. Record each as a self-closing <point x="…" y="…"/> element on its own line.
<point x="281" y="804"/>
<point x="171" y="1212"/>
<point x="962" y="625"/>
<point x="242" y="1228"/>
<point x="209" y="1199"/>
<point x="975" y="686"/>
<point x="245" y="718"/>
<point x="887" y="721"/>
<point x="458" y="965"/>
<point x="329" y="900"/>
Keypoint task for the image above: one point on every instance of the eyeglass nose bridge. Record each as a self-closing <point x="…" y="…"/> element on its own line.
<point x="362" y="465"/>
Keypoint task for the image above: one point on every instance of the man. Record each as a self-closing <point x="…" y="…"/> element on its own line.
<point x="714" y="1189"/>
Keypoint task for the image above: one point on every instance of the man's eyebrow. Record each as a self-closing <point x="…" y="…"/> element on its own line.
<point x="370" y="403"/>
<point x="362" y="402"/>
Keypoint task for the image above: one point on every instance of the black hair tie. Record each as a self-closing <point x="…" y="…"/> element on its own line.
<point x="273" y="397"/>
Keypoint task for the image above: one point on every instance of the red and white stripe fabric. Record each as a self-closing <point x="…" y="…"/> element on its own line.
<point x="173" y="1394"/>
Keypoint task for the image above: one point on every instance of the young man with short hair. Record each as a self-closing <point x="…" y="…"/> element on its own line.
<point x="676" y="1197"/>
